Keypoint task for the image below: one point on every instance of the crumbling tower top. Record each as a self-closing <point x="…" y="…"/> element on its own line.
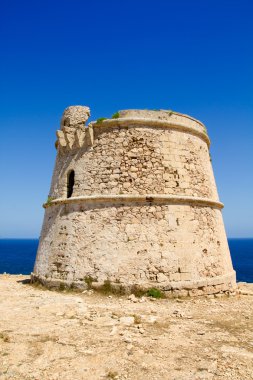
<point x="75" y="116"/>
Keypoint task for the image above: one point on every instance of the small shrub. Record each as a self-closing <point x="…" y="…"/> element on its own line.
<point x="137" y="291"/>
<point x="38" y="285"/>
<point x="116" y="115"/>
<point x="101" y="119"/>
<point x="137" y="319"/>
<point x="108" y="288"/>
<point x="5" y="337"/>
<point x="170" y="112"/>
<point x="61" y="287"/>
<point x="49" y="200"/>
<point x="155" y="293"/>
<point x="112" y="375"/>
<point x="67" y="288"/>
<point x="89" y="280"/>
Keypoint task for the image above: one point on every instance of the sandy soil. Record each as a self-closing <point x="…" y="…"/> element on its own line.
<point x="68" y="336"/>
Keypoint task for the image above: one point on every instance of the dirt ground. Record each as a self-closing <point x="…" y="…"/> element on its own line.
<point x="48" y="335"/>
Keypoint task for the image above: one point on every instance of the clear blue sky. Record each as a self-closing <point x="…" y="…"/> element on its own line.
<point x="194" y="57"/>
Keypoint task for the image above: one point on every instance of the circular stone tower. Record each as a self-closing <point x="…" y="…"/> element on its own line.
<point x="133" y="204"/>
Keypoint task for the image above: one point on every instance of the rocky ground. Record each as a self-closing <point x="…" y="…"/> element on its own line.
<point x="47" y="335"/>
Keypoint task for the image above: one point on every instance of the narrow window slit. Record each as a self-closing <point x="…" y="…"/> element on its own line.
<point x="70" y="183"/>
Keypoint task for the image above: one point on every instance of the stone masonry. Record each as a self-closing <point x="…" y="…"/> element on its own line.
<point x="133" y="203"/>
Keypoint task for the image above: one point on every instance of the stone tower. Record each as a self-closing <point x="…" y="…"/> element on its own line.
<point x="133" y="203"/>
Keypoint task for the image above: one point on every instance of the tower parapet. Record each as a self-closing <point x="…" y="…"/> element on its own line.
<point x="134" y="202"/>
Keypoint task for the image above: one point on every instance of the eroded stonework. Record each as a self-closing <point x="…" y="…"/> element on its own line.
<point x="143" y="211"/>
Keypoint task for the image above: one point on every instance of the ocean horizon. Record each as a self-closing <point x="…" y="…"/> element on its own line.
<point x="17" y="256"/>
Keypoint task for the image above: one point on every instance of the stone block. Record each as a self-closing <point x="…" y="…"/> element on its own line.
<point x="185" y="276"/>
<point x="175" y="277"/>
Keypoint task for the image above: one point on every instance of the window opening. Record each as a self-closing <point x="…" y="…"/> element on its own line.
<point x="71" y="182"/>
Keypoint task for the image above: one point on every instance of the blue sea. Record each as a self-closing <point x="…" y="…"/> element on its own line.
<point x="17" y="256"/>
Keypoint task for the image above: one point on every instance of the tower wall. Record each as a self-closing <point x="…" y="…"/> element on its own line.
<point x="144" y="211"/>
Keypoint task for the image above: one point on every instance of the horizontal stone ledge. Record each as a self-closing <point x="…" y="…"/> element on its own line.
<point x="228" y="280"/>
<point x="198" y="283"/>
<point x="143" y="122"/>
<point x="146" y="199"/>
<point x="208" y="281"/>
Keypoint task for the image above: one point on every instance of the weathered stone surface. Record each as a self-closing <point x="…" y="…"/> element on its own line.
<point x="80" y="134"/>
<point x="61" y="138"/>
<point x="73" y="133"/>
<point x="75" y="115"/>
<point x="144" y="210"/>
